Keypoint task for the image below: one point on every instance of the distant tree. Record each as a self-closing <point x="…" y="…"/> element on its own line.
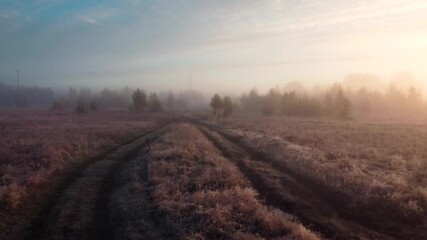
<point x="139" y="100"/>
<point x="170" y="102"/>
<point x="289" y="103"/>
<point x="395" y="96"/>
<point x="59" y="104"/>
<point x="254" y="101"/>
<point x="154" y="104"/>
<point x="362" y="101"/>
<point x="414" y="96"/>
<point x="216" y="103"/>
<point x="414" y="100"/>
<point x="72" y="95"/>
<point x="267" y="108"/>
<point x="293" y="104"/>
<point x="343" y="105"/>
<point x="85" y="93"/>
<point x="228" y="106"/>
<point x="82" y="106"/>
<point x="94" y="106"/>
<point x="329" y="104"/>
<point x="22" y="101"/>
<point x="271" y="102"/>
<point x="107" y="97"/>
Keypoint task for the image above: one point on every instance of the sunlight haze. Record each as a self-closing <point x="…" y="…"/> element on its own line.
<point x="223" y="45"/>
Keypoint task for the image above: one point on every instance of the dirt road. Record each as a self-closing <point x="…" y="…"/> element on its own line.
<point x="91" y="203"/>
<point x="317" y="206"/>
<point x="80" y="209"/>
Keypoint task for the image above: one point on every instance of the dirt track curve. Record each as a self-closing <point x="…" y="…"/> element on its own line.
<point x="80" y="209"/>
<point x="316" y="206"/>
<point x="87" y="203"/>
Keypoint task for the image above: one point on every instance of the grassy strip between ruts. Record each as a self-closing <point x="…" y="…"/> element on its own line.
<point x="206" y="197"/>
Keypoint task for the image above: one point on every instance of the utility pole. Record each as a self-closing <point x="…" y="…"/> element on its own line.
<point x="17" y="78"/>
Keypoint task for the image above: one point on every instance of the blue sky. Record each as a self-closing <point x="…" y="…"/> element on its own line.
<point x="226" y="44"/>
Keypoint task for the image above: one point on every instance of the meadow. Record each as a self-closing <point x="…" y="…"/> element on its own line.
<point x="37" y="149"/>
<point x="128" y="175"/>
<point x="201" y="195"/>
<point x="380" y="167"/>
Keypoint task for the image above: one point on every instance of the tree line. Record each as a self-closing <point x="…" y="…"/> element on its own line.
<point x="85" y="100"/>
<point x="25" y="96"/>
<point x="333" y="103"/>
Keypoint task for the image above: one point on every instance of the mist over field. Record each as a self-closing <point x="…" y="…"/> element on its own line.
<point x="224" y="46"/>
<point x="225" y="119"/>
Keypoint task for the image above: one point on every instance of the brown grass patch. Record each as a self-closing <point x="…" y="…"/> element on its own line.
<point x="206" y="196"/>
<point x="36" y="150"/>
<point x="377" y="164"/>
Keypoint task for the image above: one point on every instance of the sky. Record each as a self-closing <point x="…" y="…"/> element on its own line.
<point x="222" y="45"/>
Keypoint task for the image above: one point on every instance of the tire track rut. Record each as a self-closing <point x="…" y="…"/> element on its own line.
<point x="134" y="212"/>
<point x="244" y="156"/>
<point x="80" y="209"/>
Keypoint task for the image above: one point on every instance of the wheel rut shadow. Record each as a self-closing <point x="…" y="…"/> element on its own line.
<point x="134" y="210"/>
<point x="374" y="220"/>
<point x="349" y="226"/>
<point x="269" y="194"/>
<point x="79" y="207"/>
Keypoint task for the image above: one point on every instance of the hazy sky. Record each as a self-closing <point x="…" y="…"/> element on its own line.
<point x="224" y="44"/>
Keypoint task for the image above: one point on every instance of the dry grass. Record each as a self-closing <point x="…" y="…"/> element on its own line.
<point x="206" y="197"/>
<point x="36" y="149"/>
<point x="373" y="162"/>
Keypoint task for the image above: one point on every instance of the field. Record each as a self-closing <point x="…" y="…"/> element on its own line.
<point x="37" y="150"/>
<point x="375" y="174"/>
<point x="122" y="175"/>
<point x="203" y="195"/>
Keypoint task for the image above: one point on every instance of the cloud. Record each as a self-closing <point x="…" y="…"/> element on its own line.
<point x="87" y="20"/>
<point x="64" y="38"/>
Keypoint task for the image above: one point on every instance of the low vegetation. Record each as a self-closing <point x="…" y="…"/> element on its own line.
<point x="206" y="197"/>
<point x="37" y="149"/>
<point x="381" y="166"/>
